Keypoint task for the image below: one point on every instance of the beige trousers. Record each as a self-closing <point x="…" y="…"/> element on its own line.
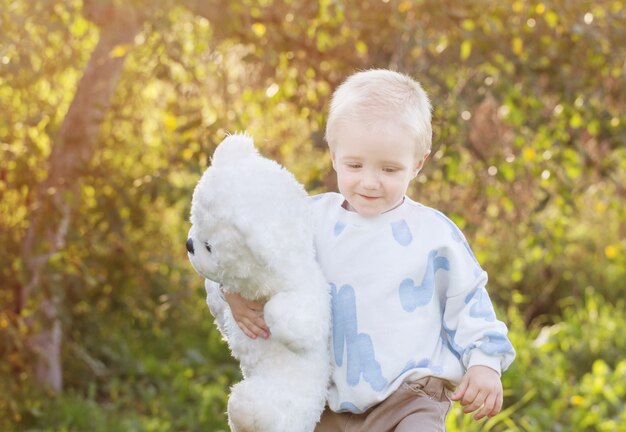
<point x="421" y="405"/>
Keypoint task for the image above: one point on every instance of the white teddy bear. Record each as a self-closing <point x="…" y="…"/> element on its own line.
<point x="251" y="234"/>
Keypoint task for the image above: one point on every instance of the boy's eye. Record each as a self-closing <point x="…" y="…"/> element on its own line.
<point x="354" y="165"/>
<point x="390" y="170"/>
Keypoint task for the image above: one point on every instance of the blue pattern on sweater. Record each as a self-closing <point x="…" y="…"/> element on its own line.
<point x="496" y="344"/>
<point x="339" y="226"/>
<point x="401" y="232"/>
<point x="360" y="356"/>
<point x="412" y="296"/>
<point x="482" y="308"/>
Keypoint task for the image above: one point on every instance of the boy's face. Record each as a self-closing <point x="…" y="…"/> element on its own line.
<point x="374" y="169"/>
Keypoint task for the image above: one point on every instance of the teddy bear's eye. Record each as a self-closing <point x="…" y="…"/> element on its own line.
<point x="208" y="247"/>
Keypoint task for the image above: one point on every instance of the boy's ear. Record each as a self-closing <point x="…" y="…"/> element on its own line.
<point x="332" y="158"/>
<point x="420" y="164"/>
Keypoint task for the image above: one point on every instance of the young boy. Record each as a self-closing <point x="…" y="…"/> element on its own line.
<point x="411" y="317"/>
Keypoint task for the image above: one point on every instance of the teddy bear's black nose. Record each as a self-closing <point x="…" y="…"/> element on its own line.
<point x="190" y="245"/>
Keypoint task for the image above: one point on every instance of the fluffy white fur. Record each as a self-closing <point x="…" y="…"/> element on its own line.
<point x="251" y="233"/>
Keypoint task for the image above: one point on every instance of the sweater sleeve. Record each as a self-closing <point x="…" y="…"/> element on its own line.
<point x="473" y="332"/>
<point x="217" y="304"/>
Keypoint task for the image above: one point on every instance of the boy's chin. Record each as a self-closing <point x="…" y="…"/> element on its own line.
<point x="367" y="211"/>
<point x="373" y="209"/>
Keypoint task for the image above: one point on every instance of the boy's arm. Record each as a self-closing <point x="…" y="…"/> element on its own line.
<point x="473" y="330"/>
<point x="481" y="342"/>
<point x="470" y="325"/>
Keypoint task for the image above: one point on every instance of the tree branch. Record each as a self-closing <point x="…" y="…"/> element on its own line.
<point x="51" y="213"/>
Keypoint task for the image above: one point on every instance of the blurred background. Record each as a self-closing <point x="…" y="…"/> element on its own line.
<point x="110" y="110"/>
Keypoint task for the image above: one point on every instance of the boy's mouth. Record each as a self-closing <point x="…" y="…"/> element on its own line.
<point x="367" y="197"/>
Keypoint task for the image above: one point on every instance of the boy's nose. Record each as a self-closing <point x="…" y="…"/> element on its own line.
<point x="190" y="245"/>
<point x="370" y="180"/>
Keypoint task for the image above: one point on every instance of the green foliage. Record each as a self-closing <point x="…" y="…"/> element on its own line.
<point x="529" y="159"/>
<point x="567" y="376"/>
<point x="172" y="374"/>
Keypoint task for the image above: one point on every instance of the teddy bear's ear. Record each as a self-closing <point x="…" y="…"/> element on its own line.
<point x="233" y="149"/>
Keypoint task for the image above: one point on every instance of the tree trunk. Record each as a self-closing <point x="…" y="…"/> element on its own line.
<point x="57" y="196"/>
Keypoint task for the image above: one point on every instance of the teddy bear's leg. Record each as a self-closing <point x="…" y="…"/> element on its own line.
<point x="252" y="408"/>
<point x="273" y="403"/>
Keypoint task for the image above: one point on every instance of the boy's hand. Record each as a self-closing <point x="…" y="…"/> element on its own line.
<point x="248" y="315"/>
<point x="480" y="386"/>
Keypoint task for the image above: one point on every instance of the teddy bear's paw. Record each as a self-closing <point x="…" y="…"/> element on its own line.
<point x="290" y="322"/>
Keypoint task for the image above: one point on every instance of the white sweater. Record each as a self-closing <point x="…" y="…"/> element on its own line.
<point x="408" y="301"/>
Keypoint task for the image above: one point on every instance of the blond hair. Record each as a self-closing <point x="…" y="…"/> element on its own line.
<point x="376" y="95"/>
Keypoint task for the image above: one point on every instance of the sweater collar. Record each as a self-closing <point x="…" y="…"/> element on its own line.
<point x="356" y="219"/>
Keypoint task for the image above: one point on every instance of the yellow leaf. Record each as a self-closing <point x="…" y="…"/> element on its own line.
<point x="600" y="207"/>
<point x="518" y="45"/>
<point x="120" y="50"/>
<point x="577" y="400"/>
<point x="89" y="191"/>
<point x="529" y="154"/>
<point x="551" y="18"/>
<point x="170" y="122"/>
<point x="466" y="49"/>
<point x="361" y="47"/>
<point x="540" y="8"/>
<point x="576" y="121"/>
<point x="258" y="29"/>
<point x="611" y="251"/>
<point x="468" y="25"/>
<point x="79" y="27"/>
<point x="187" y="154"/>
<point x="404" y="6"/>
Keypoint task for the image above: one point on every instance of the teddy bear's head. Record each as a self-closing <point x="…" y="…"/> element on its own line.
<point x="248" y="217"/>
